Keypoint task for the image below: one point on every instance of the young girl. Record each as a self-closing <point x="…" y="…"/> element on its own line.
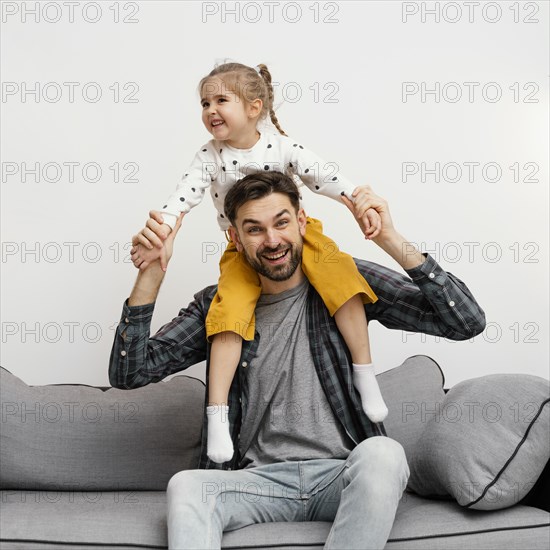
<point x="234" y="99"/>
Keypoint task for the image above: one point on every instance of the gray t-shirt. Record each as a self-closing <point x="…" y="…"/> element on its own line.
<point x="288" y="416"/>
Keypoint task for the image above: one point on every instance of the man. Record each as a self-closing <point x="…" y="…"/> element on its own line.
<point x="305" y="450"/>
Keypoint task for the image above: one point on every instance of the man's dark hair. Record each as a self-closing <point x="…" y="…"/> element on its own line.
<point x="257" y="186"/>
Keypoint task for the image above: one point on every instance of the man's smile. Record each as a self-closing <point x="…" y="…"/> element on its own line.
<point x="275" y="258"/>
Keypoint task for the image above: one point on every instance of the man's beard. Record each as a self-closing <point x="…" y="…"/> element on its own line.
<point x="281" y="272"/>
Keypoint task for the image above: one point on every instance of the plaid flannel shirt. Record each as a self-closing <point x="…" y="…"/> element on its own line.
<point x="430" y="300"/>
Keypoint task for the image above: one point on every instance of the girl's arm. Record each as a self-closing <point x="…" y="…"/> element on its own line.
<point x="190" y="190"/>
<point x="148" y="243"/>
<point x="324" y="178"/>
<point x="320" y="176"/>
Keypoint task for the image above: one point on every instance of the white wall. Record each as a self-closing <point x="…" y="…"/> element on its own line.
<point x="71" y="295"/>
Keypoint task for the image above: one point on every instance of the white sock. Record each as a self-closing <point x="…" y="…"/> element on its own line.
<point x="220" y="445"/>
<point x="364" y="379"/>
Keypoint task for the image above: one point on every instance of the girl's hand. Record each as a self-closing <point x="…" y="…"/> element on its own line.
<point x="361" y="201"/>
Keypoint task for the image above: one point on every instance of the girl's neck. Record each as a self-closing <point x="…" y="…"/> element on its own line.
<point x="245" y="142"/>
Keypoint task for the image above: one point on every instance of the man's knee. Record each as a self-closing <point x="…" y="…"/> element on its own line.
<point x="196" y="485"/>
<point x="379" y="467"/>
<point x="186" y="483"/>
<point x="382" y="453"/>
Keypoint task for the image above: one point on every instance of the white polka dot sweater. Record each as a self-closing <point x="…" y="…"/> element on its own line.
<point x="219" y="166"/>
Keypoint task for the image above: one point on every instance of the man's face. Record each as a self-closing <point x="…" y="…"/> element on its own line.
<point x="270" y="233"/>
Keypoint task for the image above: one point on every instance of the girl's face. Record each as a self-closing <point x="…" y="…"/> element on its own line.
<point x="224" y="114"/>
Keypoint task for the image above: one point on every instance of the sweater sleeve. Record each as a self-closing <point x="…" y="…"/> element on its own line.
<point x="190" y="190"/>
<point x="429" y="300"/>
<point x="139" y="358"/>
<point x="317" y="174"/>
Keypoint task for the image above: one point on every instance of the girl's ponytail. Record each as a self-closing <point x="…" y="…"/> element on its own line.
<point x="266" y="75"/>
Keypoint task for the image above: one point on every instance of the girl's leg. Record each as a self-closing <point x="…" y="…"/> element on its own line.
<point x="352" y="324"/>
<point x="230" y="319"/>
<point x="326" y="267"/>
<point x="224" y="358"/>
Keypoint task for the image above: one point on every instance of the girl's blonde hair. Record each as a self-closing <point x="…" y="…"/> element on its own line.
<point x="248" y="85"/>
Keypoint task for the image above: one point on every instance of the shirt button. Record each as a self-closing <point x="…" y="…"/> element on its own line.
<point x="244" y="364"/>
<point x="451" y="303"/>
<point x="123" y="353"/>
<point x="126" y="320"/>
<point x="431" y="275"/>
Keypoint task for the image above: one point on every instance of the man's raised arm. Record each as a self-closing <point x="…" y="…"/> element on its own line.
<point x="429" y="300"/>
<point x="138" y="359"/>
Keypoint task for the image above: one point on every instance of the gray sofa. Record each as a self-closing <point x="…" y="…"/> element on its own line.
<point x="87" y="467"/>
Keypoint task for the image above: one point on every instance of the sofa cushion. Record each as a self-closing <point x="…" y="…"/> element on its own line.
<point x="77" y="437"/>
<point x="412" y="392"/>
<point x="488" y="444"/>
<point x="132" y="520"/>
<point x="137" y="439"/>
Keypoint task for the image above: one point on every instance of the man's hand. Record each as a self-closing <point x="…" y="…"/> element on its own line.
<point x="148" y="246"/>
<point x="401" y="250"/>
<point x="373" y="223"/>
<point x="142" y="256"/>
<point x="364" y="200"/>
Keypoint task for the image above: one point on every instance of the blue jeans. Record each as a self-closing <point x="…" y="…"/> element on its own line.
<point x="359" y="495"/>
